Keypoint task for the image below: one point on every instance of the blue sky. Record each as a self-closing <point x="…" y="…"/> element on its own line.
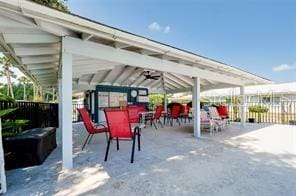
<point x="259" y="37"/>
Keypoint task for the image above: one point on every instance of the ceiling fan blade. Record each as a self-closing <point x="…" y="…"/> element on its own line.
<point x="154" y="78"/>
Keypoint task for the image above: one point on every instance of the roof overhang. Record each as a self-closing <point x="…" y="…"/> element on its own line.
<point x="35" y="36"/>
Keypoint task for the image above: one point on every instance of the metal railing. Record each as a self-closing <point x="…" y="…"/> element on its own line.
<point x="38" y="114"/>
<point x="75" y="114"/>
<point x="283" y="112"/>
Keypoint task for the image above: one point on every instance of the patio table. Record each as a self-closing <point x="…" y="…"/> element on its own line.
<point x="143" y="115"/>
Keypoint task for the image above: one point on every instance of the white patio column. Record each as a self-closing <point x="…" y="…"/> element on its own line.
<point x="59" y="131"/>
<point x="196" y="106"/>
<point x="66" y="107"/>
<point x="242" y="106"/>
<point x="165" y="102"/>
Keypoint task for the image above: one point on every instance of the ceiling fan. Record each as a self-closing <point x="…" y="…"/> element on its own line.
<point x="148" y="76"/>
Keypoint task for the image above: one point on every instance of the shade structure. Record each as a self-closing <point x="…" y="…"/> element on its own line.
<point x="69" y="52"/>
<point x="33" y="35"/>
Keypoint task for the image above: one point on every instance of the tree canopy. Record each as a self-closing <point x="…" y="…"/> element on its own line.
<point x="57" y="4"/>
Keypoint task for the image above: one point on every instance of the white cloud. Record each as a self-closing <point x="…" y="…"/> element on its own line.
<point x="158" y="28"/>
<point x="155" y="27"/>
<point x="283" y="67"/>
<point x="167" y="29"/>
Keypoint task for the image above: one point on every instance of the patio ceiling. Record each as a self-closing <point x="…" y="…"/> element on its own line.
<point x="32" y="35"/>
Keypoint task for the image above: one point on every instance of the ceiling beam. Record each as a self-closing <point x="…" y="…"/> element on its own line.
<point x="42" y="66"/>
<point x="108" y="53"/>
<point x="40" y="59"/>
<point x="175" y="83"/>
<point x="36" y="51"/>
<point x="125" y="74"/>
<point x="53" y="28"/>
<point x="134" y="77"/>
<point x="30" y="38"/>
<point x="86" y="36"/>
<point x="18" y="61"/>
<point x="186" y="79"/>
<point x="120" y="45"/>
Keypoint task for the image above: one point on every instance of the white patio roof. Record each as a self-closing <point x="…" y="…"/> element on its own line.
<point x="33" y="34"/>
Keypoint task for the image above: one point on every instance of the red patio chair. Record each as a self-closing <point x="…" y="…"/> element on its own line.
<point x="184" y="113"/>
<point x="90" y="127"/>
<point x="176" y="109"/>
<point x="223" y="112"/>
<point x="156" y="117"/>
<point x="120" y="129"/>
<point x="133" y="112"/>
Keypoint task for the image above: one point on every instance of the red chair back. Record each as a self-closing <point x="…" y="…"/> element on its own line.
<point x="175" y="111"/>
<point x="184" y="110"/>
<point x="118" y="123"/>
<point x="158" y="112"/>
<point x="222" y="110"/>
<point x="86" y="120"/>
<point x="133" y="112"/>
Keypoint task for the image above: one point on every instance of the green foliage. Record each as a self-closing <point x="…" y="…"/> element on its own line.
<point x="10" y="127"/>
<point x="258" y="109"/>
<point x="7" y="111"/>
<point x="14" y="125"/>
<point x="155" y="100"/>
<point x="4" y="97"/>
<point x="57" y="4"/>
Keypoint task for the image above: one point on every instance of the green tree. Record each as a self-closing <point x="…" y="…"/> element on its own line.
<point x="155" y="100"/>
<point x="57" y="4"/>
<point x="6" y="65"/>
<point x="24" y="81"/>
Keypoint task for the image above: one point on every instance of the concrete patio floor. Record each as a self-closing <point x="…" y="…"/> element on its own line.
<point x="254" y="160"/>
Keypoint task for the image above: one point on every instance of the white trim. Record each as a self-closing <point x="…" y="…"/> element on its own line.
<point x="108" y="53"/>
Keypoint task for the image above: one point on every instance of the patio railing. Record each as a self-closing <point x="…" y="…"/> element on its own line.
<point x="75" y="114"/>
<point x="283" y="112"/>
<point x="38" y="114"/>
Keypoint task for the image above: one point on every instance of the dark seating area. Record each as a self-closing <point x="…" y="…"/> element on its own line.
<point x="30" y="148"/>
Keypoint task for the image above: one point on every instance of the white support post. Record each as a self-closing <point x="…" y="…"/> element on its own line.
<point x="59" y="133"/>
<point x="66" y="106"/>
<point x="53" y="94"/>
<point x="242" y="106"/>
<point x="165" y="102"/>
<point x="2" y="166"/>
<point x="196" y="106"/>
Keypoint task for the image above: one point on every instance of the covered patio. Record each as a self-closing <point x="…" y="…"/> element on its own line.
<point x="237" y="161"/>
<point x="69" y="52"/>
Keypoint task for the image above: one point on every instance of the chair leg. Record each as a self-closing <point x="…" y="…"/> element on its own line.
<point x="107" y="150"/>
<point x="90" y="138"/>
<point x="106" y="134"/>
<point x="133" y="147"/>
<point x="177" y="119"/>
<point x="85" y="142"/>
<point x="117" y="143"/>
<point x="160" y="123"/>
<point x="154" y="124"/>
<point x="139" y="140"/>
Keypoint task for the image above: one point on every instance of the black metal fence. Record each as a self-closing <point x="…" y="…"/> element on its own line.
<point x="38" y="114"/>
<point x="75" y="113"/>
<point x="283" y="112"/>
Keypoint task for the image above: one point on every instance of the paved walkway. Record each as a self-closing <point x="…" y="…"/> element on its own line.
<point x="255" y="160"/>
